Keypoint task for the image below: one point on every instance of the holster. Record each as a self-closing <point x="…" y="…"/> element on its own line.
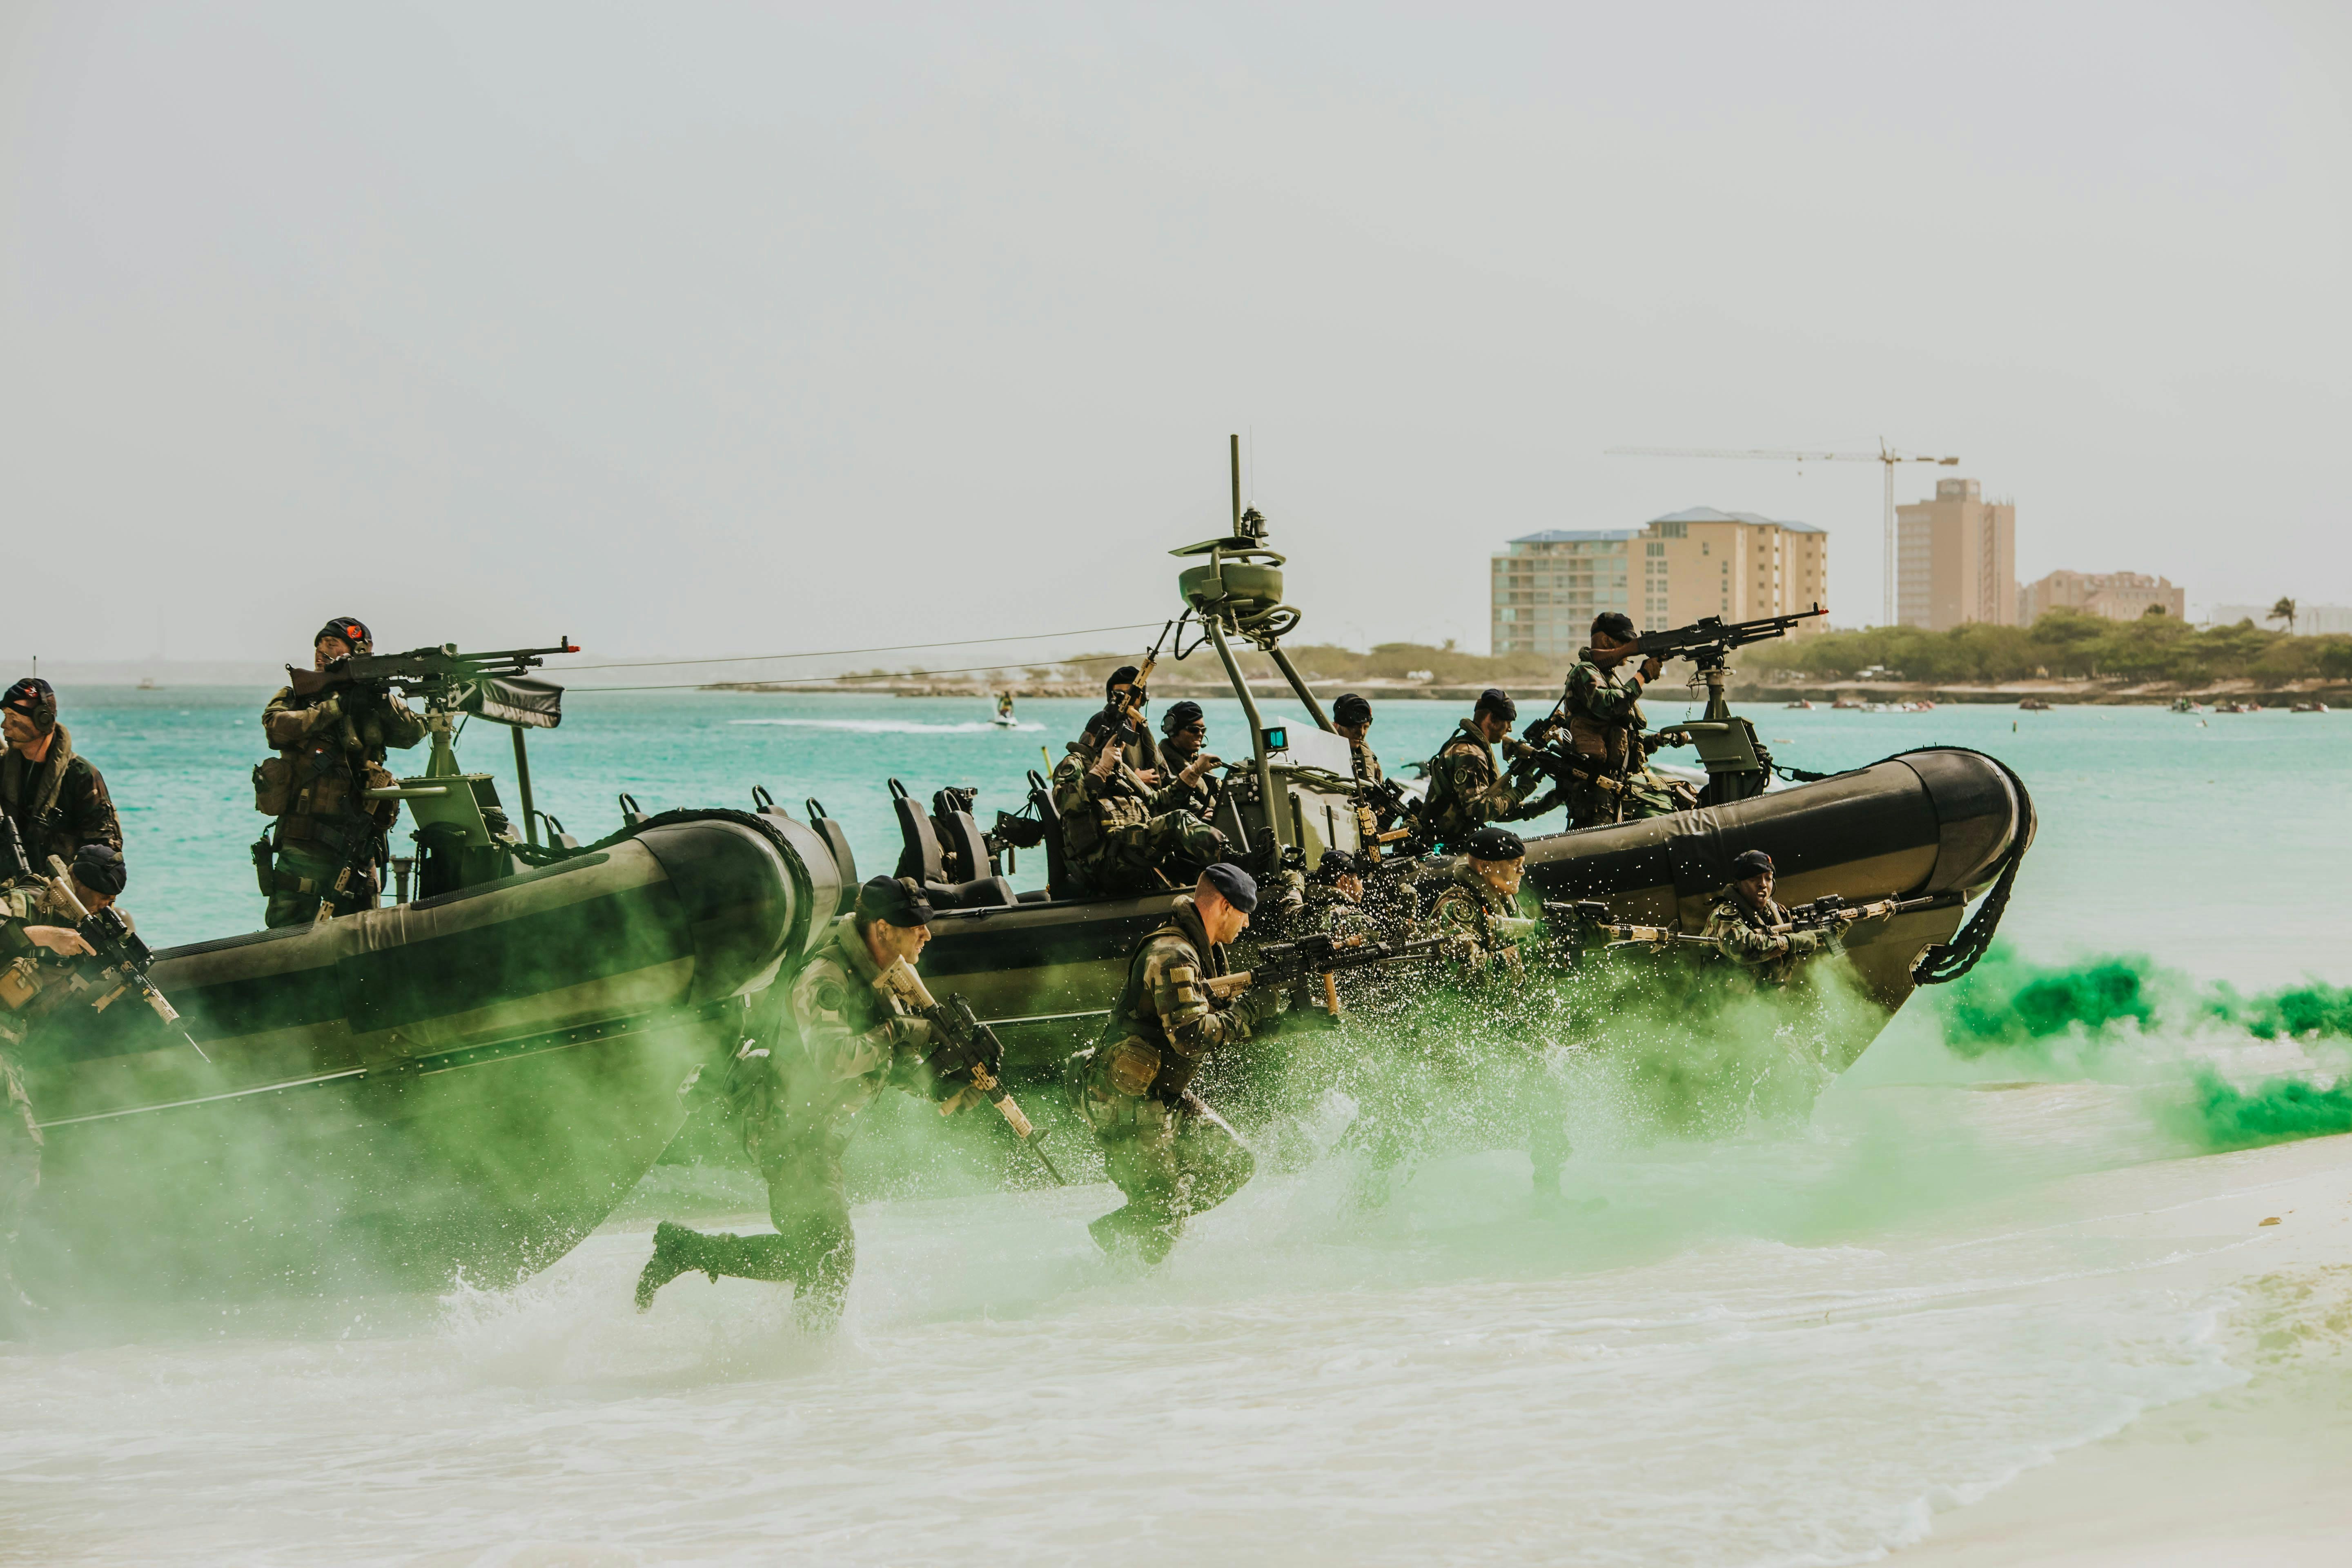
<point x="263" y="858"/>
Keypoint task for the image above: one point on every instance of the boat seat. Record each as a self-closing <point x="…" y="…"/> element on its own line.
<point x="964" y="852"/>
<point x="843" y="861"/>
<point x="1058" y="884"/>
<point x="764" y="805"/>
<point x="920" y="859"/>
<point x="556" y="837"/>
<point x="632" y="814"/>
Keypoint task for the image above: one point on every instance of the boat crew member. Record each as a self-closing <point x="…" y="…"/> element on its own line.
<point x="847" y="1036"/>
<point x="1607" y="744"/>
<point x="1168" y="1151"/>
<point x="1464" y="791"/>
<point x="331" y="752"/>
<point x="1743" y="920"/>
<point x="1351" y="716"/>
<point x="1193" y="786"/>
<point x="1124" y="699"/>
<point x="55" y="796"/>
<point x="34" y="921"/>
<point x="1120" y="833"/>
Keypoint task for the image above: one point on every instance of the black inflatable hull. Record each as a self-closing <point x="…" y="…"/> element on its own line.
<point x="467" y="1084"/>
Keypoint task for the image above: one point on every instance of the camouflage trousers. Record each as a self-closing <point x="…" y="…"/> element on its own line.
<point x="1645" y="794"/>
<point x="808" y="1202"/>
<point x="20" y="1155"/>
<point x="300" y="876"/>
<point x="1175" y="844"/>
<point x="1170" y="1161"/>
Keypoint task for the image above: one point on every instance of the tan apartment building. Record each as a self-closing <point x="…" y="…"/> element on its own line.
<point x="1548" y="587"/>
<point x="1956" y="559"/>
<point x="2118" y="595"/>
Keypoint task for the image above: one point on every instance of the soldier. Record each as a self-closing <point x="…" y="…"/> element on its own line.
<point x="848" y="1035"/>
<point x="330" y="751"/>
<point x="1351" y="716"/>
<point x="32" y="922"/>
<point x="1184" y="734"/>
<point x="1335" y="893"/>
<point x="1124" y="699"/>
<point x="1742" y="920"/>
<point x="1123" y="836"/>
<point x="57" y="799"/>
<point x="1602" y="708"/>
<point x="1464" y="793"/>
<point x="1478" y="906"/>
<point x="1170" y="1154"/>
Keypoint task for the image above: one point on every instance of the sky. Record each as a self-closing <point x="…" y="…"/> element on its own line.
<point x="721" y="328"/>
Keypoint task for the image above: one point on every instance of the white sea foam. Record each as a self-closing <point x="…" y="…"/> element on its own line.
<point x="896" y="726"/>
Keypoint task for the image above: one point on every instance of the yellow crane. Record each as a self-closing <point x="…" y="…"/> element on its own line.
<point x="1886" y="456"/>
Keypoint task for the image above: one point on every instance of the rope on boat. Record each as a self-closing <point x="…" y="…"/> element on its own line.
<point x="1947" y="961"/>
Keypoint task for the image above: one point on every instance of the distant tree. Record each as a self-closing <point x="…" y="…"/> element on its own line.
<point x="2283" y="611"/>
<point x="2153" y="610"/>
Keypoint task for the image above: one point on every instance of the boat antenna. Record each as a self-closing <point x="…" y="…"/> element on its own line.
<point x="1233" y="450"/>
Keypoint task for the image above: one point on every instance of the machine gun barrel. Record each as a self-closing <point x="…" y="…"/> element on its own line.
<point x="122" y="957"/>
<point x="1829" y="909"/>
<point x="422" y="668"/>
<point x="1592" y="912"/>
<point x="1711" y="636"/>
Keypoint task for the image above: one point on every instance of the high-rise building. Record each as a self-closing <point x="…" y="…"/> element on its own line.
<point x="1956" y="559"/>
<point x="1548" y="587"/>
<point x="2118" y="595"/>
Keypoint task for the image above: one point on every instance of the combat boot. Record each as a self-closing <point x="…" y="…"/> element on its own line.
<point x="674" y="1250"/>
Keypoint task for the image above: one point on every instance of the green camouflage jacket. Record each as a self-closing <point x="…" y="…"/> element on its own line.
<point x="1742" y="933"/>
<point x="1487" y="925"/>
<point x="1465" y="792"/>
<point x="846" y="1036"/>
<point x="1603" y="709"/>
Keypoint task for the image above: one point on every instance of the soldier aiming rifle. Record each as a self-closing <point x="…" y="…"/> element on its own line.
<point x="1308" y="968"/>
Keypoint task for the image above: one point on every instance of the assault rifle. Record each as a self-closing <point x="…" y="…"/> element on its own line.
<point x="439" y="674"/>
<point x="1829" y="911"/>
<point x="1596" y="914"/>
<point x="969" y="1047"/>
<point x="1296" y="966"/>
<point x="1126" y="713"/>
<point x="121" y="960"/>
<point x="14" y="866"/>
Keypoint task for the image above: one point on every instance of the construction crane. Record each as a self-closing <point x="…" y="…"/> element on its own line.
<point x="1885" y="456"/>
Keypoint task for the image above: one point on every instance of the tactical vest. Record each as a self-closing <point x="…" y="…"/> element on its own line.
<point x="1135" y="1022"/>
<point x="1608" y="740"/>
<point x="316" y="792"/>
<point x="36" y="817"/>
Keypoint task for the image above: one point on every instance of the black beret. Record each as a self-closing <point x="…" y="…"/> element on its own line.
<point x="35" y="700"/>
<point x="349" y="628"/>
<point x="1351" y="710"/>
<point x="1335" y="864"/>
<point x="1751" y="863"/>
<point x="1493" y="843"/>
<point x="894" y="899"/>
<point x="1179" y="714"/>
<point x="1124" y="674"/>
<point x="1616" y="623"/>
<point x="99" y="868"/>
<point x="1237" y="887"/>
<point x="1495" y="700"/>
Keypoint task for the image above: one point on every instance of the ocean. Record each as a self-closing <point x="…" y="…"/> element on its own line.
<point x="1796" y="1344"/>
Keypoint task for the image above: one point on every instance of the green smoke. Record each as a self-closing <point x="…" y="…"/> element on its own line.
<point x="2220" y="1116"/>
<point x="2007" y="1001"/>
<point x="2301" y="1012"/>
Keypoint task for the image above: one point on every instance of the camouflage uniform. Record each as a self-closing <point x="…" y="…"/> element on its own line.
<point x="1119" y="832"/>
<point x="848" y="1038"/>
<point x="1165" y="1149"/>
<point x="59" y="803"/>
<point x="1465" y="793"/>
<point x="20" y="1133"/>
<point x="1604" y="723"/>
<point x="1741" y="931"/>
<point x="1199" y="800"/>
<point x="329" y="750"/>
<point x="1489" y="926"/>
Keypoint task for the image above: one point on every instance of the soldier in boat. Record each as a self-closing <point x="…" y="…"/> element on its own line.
<point x="53" y="793"/>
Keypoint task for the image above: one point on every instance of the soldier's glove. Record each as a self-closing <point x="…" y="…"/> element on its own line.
<point x="1256" y="1007"/>
<point x="1515" y="749"/>
<point x="328" y="708"/>
<point x="1199" y="767"/>
<point x="1804" y="942"/>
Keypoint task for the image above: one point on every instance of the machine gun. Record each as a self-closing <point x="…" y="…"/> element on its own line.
<point x="121" y="960"/>
<point x="969" y="1047"/>
<point x="1296" y="966"/>
<point x="1126" y="713"/>
<point x="443" y="675"/>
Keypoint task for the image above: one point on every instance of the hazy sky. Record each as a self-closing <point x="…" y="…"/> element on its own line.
<point x="704" y="327"/>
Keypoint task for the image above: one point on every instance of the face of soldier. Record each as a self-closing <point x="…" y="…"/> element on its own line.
<point x="1219" y="919"/>
<point x="1492" y="727"/>
<point x="1354" y="731"/>
<point x="329" y="650"/>
<point x="1187" y="742"/>
<point x="1757" y="889"/>
<point x="17" y="729"/>
<point x="92" y="901"/>
<point x="1503" y="876"/>
<point x="889" y="944"/>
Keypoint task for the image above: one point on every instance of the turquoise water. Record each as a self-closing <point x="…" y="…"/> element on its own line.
<point x="2215" y="843"/>
<point x="1790" y="1344"/>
